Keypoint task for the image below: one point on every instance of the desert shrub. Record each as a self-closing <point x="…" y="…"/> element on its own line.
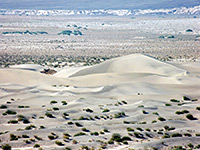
<point x="126" y="138"/>
<point x="30" y="127"/>
<point x="21" y="106"/>
<point x="197" y="147"/>
<point x="105" y="130"/>
<point x="138" y="135"/>
<point x="13" y="121"/>
<point x="13" y="137"/>
<point x="119" y="115"/>
<point x="179" y="112"/>
<point x="166" y="136"/>
<point x="38" y="138"/>
<point x="141" y="106"/>
<point x="49" y="115"/>
<point x="6" y="147"/>
<point x="185" y="98"/>
<point x="130" y="129"/>
<point x="65" y="114"/>
<point x="110" y="142"/>
<point x="154" y="121"/>
<point x="59" y="143"/>
<point x="68" y="148"/>
<point x="124" y="102"/>
<point x="74" y="142"/>
<point x="161" y="119"/>
<point x="78" y="124"/>
<point x="64" y="102"/>
<point x="36" y="146"/>
<point x="55" y="108"/>
<point x="144" y="112"/>
<point x="149" y="130"/>
<point x="190" y="145"/>
<point x="80" y="134"/>
<point x="3" y="107"/>
<point x="52" y="137"/>
<point x="185" y="111"/>
<point x="70" y="123"/>
<point x="189" y="30"/>
<point x="84" y="129"/>
<point x="53" y="102"/>
<point x="42" y="127"/>
<point x="116" y="137"/>
<point x="94" y="133"/>
<point x="89" y="110"/>
<point x="187" y="134"/>
<point x="198" y="108"/>
<point x="25" y="136"/>
<point x="168" y="105"/>
<point x="140" y="129"/>
<point x="197" y="134"/>
<point x="105" y="110"/>
<point x="176" y="135"/>
<point x="10" y="112"/>
<point x="174" y="100"/>
<point x="190" y="117"/>
<point x="101" y="132"/>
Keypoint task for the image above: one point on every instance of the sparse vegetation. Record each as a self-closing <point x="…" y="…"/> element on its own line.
<point x="190" y="117"/>
<point x="80" y="134"/>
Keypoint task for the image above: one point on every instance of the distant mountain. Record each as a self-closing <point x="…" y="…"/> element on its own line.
<point x="96" y="4"/>
<point x="101" y="12"/>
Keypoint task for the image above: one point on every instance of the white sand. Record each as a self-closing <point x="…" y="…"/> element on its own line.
<point x="136" y="79"/>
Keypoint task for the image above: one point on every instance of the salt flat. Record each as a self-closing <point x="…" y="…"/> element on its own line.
<point x="144" y="100"/>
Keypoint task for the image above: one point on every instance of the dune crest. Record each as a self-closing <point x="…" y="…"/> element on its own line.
<point x="134" y="63"/>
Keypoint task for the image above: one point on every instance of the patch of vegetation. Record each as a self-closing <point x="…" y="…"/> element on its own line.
<point x="3" y="107"/>
<point x="119" y="115"/>
<point x="13" y="137"/>
<point x="6" y="147"/>
<point x="78" y="124"/>
<point x="21" y="106"/>
<point x="53" y="136"/>
<point x="13" y="121"/>
<point x="69" y="32"/>
<point x="85" y="130"/>
<point x="64" y="102"/>
<point x="176" y="135"/>
<point x="55" y="108"/>
<point x="138" y="135"/>
<point x="59" y="143"/>
<point x="140" y="129"/>
<point x="190" y="117"/>
<point x="80" y="134"/>
<point x="144" y="112"/>
<point x="11" y="112"/>
<point x="25" y="136"/>
<point x="88" y="110"/>
<point x="105" y="110"/>
<point x="161" y="119"/>
<point x="141" y="106"/>
<point x="53" y="102"/>
<point x="124" y="102"/>
<point x="198" y="108"/>
<point x="189" y="30"/>
<point x="49" y="115"/>
<point x="94" y="133"/>
<point x="38" y="138"/>
<point x="130" y="129"/>
<point x="174" y="100"/>
<point x="26" y="32"/>
<point x="30" y="127"/>
<point x="168" y="104"/>
<point x="36" y="146"/>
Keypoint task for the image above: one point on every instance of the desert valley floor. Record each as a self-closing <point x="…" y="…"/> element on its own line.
<point x="119" y="84"/>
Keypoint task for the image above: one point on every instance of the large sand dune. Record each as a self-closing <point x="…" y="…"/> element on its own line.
<point x="135" y="63"/>
<point x="131" y="92"/>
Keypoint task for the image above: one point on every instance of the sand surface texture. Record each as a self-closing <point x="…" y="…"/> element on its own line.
<point x="150" y="103"/>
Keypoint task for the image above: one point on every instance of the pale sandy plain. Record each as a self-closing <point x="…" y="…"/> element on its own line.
<point x="129" y="95"/>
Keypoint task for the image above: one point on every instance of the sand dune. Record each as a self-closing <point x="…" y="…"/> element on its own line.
<point x="135" y="63"/>
<point x="129" y="95"/>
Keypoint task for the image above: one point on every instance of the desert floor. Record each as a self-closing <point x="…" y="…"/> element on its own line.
<point x="117" y="86"/>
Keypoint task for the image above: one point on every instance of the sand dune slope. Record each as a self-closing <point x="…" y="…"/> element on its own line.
<point x="135" y="63"/>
